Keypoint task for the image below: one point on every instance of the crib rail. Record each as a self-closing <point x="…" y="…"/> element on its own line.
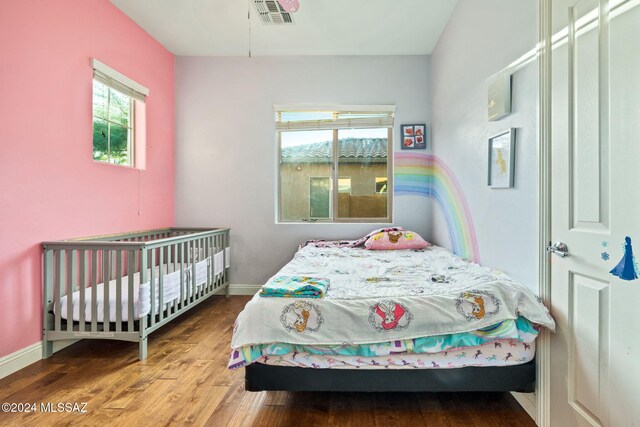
<point x="126" y="286"/>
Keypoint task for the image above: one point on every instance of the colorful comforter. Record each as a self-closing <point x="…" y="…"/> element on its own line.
<point x="382" y="297"/>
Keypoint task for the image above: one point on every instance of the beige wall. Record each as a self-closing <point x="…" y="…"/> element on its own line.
<point x="295" y="188"/>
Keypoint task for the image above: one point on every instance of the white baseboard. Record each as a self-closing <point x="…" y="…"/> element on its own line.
<point x="24" y="357"/>
<point x="20" y="359"/>
<point x="528" y="403"/>
<point x="243" y="289"/>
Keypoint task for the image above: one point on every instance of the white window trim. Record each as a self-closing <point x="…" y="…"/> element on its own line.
<point x="118" y="81"/>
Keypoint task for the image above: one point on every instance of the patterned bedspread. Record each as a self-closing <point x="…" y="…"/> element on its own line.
<point x="382" y="296"/>
<point x="496" y="353"/>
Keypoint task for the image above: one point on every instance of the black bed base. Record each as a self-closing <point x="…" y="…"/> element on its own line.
<point x="519" y="378"/>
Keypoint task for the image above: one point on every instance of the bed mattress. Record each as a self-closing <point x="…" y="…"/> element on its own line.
<point x="388" y="296"/>
<point x="141" y="292"/>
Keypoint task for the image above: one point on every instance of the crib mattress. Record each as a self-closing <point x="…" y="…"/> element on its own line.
<point x="496" y="353"/>
<point x="141" y="292"/>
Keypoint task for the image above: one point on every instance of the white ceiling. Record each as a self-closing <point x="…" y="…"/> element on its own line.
<point x="322" y="27"/>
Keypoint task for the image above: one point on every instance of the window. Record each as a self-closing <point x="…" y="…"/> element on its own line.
<point x="112" y="125"/>
<point x="344" y="185"/>
<point x="114" y="100"/>
<point x="328" y="161"/>
<point x="381" y="184"/>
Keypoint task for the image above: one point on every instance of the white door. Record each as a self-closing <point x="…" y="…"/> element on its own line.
<point x="595" y="354"/>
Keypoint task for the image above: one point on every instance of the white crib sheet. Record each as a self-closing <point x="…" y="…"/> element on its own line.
<point x="141" y="293"/>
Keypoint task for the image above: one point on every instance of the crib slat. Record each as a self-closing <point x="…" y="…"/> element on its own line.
<point x="192" y="254"/>
<point x="180" y="248"/>
<point x="131" y="268"/>
<point x="57" y="288"/>
<point x="171" y="304"/>
<point x="208" y="255"/>
<point x="106" y="278"/>
<point x="215" y="250"/>
<point x="94" y="291"/>
<point x="161" y="283"/>
<point x="152" y="284"/>
<point x="82" y="256"/>
<point x="198" y="258"/>
<point x="170" y="269"/>
<point x="201" y="243"/>
<point x="219" y="247"/>
<point x="118" y="291"/>
<point x="71" y="279"/>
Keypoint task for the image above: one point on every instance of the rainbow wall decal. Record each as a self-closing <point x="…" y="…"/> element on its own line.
<point x="427" y="175"/>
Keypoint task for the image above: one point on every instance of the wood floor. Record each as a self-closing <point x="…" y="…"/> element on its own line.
<point x="185" y="381"/>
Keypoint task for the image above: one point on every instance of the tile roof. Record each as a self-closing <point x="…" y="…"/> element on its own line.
<point x="348" y="148"/>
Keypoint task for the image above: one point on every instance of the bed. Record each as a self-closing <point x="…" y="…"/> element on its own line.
<point x="394" y="320"/>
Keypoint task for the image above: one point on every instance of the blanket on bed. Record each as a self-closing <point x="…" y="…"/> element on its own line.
<point x="380" y="296"/>
<point x="519" y="331"/>
<point x="295" y="287"/>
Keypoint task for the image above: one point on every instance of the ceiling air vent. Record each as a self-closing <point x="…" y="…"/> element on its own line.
<point x="271" y="12"/>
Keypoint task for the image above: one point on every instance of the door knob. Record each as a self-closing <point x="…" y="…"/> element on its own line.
<point x="558" y="248"/>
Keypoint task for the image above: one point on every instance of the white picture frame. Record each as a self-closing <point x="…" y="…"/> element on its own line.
<point x="501" y="159"/>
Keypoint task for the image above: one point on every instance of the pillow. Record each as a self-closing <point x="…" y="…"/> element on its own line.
<point x="364" y="239"/>
<point x="396" y="239"/>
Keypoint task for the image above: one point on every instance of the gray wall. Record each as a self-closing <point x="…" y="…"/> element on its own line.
<point x="225" y="168"/>
<point x="481" y="39"/>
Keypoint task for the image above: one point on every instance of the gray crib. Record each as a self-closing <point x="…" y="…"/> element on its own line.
<point x="125" y="286"/>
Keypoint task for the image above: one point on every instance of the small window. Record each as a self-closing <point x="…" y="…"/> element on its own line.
<point x="328" y="162"/>
<point x="114" y="100"/>
<point x="381" y="184"/>
<point x="344" y="185"/>
<point x="112" y="125"/>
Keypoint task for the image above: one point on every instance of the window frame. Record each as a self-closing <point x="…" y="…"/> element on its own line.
<point x="130" y="127"/>
<point x="137" y="93"/>
<point x="335" y="219"/>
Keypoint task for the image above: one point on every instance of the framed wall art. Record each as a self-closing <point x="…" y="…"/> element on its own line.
<point x="413" y="137"/>
<point x="499" y="97"/>
<point x="502" y="159"/>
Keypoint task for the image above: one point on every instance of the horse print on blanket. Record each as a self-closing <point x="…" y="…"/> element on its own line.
<point x="301" y="317"/>
<point x="389" y="315"/>
<point x="477" y="305"/>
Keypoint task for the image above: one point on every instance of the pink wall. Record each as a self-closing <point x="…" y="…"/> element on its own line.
<point x="50" y="188"/>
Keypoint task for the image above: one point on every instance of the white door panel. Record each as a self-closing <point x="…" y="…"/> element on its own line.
<point x="595" y="359"/>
